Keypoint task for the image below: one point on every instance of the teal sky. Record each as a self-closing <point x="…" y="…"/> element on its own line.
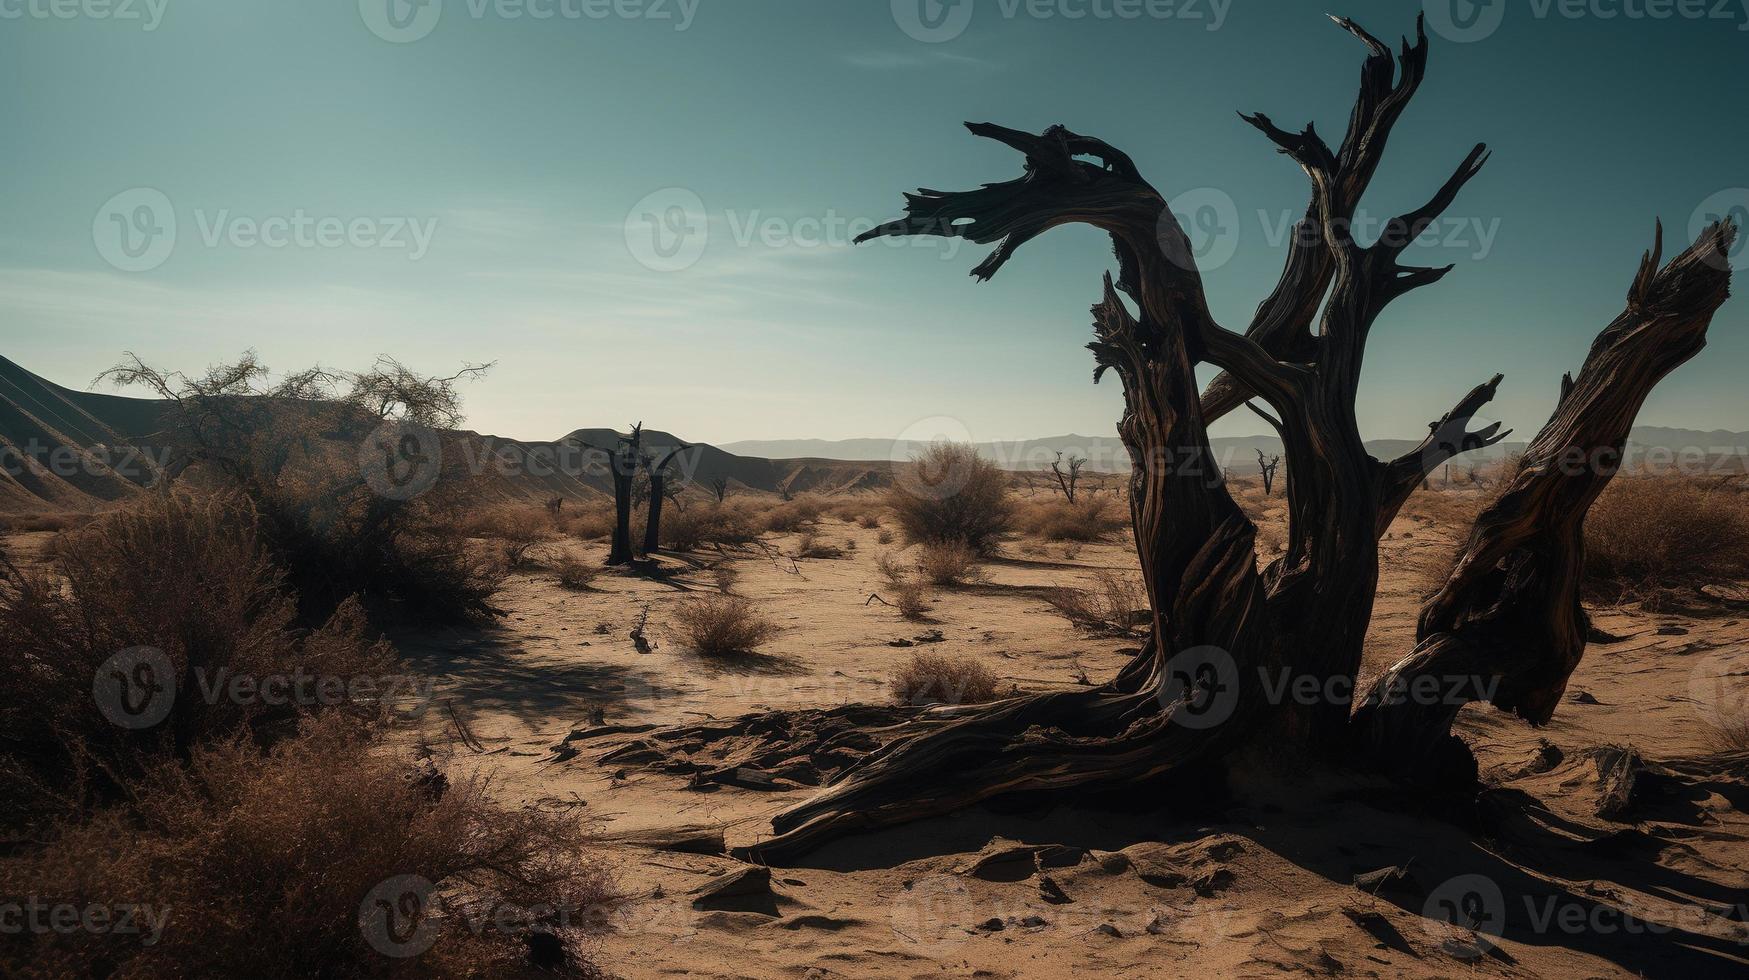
<point x="522" y="146"/>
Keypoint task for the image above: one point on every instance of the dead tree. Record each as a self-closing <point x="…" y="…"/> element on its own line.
<point x="555" y="507"/>
<point x="720" y="487"/>
<point x="659" y="491"/>
<point x="624" y="462"/>
<point x="1066" y="482"/>
<point x="1228" y="639"/>
<point x="1268" y="467"/>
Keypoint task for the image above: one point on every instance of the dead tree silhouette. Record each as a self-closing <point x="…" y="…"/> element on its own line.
<point x="659" y="491"/>
<point x="1067" y="482"/>
<point x="720" y="488"/>
<point x="1268" y="467"/>
<point x="624" y="461"/>
<point x="1507" y="626"/>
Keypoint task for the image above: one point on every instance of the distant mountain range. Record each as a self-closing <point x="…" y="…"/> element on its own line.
<point x="1238" y="454"/>
<point x="65" y="449"/>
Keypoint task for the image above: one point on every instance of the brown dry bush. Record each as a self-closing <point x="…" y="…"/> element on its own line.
<point x="902" y="585"/>
<point x="339" y="531"/>
<point x="930" y="679"/>
<point x="809" y="545"/>
<point x="1650" y="538"/>
<point x="949" y="493"/>
<point x="948" y="563"/>
<point x="791" y="515"/>
<point x="576" y="574"/>
<point x="590" y="522"/>
<point x="1088" y="519"/>
<point x="1116" y="603"/>
<point x="720" y="625"/>
<point x="726" y="524"/>
<point x="516" y="529"/>
<point x="270" y="865"/>
<point x="869" y="521"/>
<point x="188" y="578"/>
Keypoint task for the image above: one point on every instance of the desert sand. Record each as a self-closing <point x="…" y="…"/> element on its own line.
<point x="561" y="709"/>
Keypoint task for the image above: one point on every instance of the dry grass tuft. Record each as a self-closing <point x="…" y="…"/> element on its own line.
<point x="1117" y="603"/>
<point x="714" y="524"/>
<point x="720" y="625"/>
<point x="1648" y="538"/>
<point x="1088" y="519"/>
<point x="951" y="494"/>
<point x="929" y="679"/>
<point x="809" y="545"/>
<point x="949" y="563"/>
<point x="576" y="574"/>
<point x="269" y="866"/>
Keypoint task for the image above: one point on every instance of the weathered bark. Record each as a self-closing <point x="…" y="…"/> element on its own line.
<point x="658" y="490"/>
<point x="623" y="464"/>
<point x="1507" y="627"/>
<point x="1225" y="638"/>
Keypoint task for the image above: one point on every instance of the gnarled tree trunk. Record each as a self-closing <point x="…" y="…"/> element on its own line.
<point x="658" y="491"/>
<point x="1227" y="639"/>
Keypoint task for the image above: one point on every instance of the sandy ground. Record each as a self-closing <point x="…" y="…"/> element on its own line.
<point x="1259" y="884"/>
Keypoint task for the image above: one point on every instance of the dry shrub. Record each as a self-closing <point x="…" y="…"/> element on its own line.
<point x="725" y="577"/>
<point x="791" y="515"/>
<point x="517" y="529"/>
<point x="930" y="679"/>
<point x="590" y="522"/>
<point x="190" y="579"/>
<point x="1649" y="537"/>
<point x="1087" y="519"/>
<point x="576" y="574"/>
<point x="947" y="563"/>
<point x="264" y="866"/>
<point x="884" y="537"/>
<point x="1116" y="603"/>
<point x="722" y="624"/>
<point x="725" y="523"/>
<point x="870" y="521"/>
<point x="951" y="494"/>
<point x="902" y="584"/>
<point x="809" y="545"/>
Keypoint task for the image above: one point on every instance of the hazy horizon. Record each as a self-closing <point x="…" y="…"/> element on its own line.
<point x="646" y="217"/>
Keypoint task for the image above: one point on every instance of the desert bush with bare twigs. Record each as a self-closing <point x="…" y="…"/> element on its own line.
<point x="1651" y="539"/>
<point x="930" y="679"/>
<point x="717" y="523"/>
<point x="174" y="597"/>
<point x="290" y="864"/>
<point x="1087" y="519"/>
<point x="720" y="625"/>
<point x="949" y="563"/>
<point x="949" y="493"/>
<point x="1116" y="603"/>
<point x="576" y="574"/>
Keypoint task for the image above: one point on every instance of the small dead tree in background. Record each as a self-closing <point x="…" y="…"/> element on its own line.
<point x="1067" y="482"/>
<point x="1268" y="467"/>
<point x="624" y="462"/>
<point x="720" y="487"/>
<point x="660" y="490"/>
